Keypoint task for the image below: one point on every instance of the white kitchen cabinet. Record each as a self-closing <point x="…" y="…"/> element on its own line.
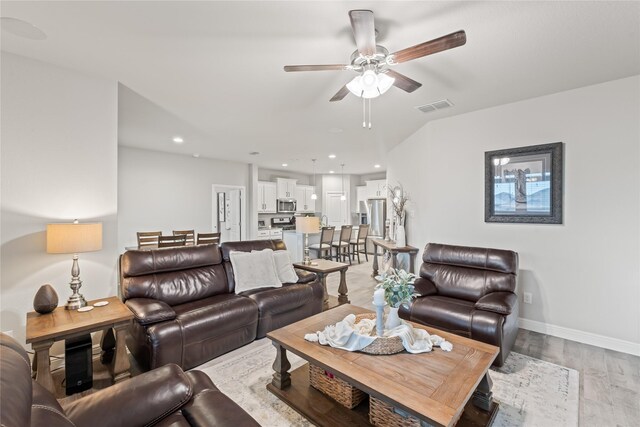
<point x="266" y="197"/>
<point x="275" y="234"/>
<point x="263" y="235"/>
<point x="304" y="203"/>
<point x="286" y="188"/>
<point x="376" y="189"/>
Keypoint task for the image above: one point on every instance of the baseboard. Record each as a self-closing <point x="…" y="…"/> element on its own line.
<point x="581" y="336"/>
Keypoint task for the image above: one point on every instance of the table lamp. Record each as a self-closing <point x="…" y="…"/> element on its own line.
<point x="307" y="225"/>
<point x="74" y="238"/>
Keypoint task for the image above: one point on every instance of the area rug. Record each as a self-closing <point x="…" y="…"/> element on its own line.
<point x="531" y="392"/>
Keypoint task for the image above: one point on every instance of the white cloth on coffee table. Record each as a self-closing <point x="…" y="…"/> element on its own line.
<point x="351" y="336"/>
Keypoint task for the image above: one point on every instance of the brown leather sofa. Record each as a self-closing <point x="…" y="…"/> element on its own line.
<point x="166" y="396"/>
<point x="470" y="292"/>
<point x="186" y="309"/>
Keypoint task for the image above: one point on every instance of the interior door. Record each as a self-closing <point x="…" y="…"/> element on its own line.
<point x="233" y="224"/>
<point x="337" y="210"/>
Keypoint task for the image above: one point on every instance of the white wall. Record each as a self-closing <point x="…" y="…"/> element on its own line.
<point x="59" y="162"/>
<point x="164" y="192"/>
<point x="584" y="274"/>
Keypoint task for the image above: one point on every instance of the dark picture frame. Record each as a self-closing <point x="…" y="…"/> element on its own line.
<point x="524" y="184"/>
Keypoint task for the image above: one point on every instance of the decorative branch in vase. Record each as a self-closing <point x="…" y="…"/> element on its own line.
<point x="399" y="199"/>
<point x="398" y="291"/>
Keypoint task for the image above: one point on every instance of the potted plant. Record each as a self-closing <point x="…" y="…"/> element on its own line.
<point x="398" y="291"/>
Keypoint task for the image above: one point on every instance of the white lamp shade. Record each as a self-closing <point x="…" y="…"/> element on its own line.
<point x="308" y="224"/>
<point x="70" y="238"/>
<point x="359" y="88"/>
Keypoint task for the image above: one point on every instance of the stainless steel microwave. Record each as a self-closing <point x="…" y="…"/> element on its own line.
<point x="286" y="206"/>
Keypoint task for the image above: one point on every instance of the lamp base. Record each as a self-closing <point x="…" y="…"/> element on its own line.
<point x="75" y="302"/>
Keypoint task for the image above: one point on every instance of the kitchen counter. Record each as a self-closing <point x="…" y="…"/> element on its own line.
<point x="294" y="240"/>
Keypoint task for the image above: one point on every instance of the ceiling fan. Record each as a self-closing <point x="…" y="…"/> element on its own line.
<point x="373" y="62"/>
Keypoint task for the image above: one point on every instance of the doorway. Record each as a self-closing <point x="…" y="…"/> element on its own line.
<point x="228" y="209"/>
<point x="337" y="210"/>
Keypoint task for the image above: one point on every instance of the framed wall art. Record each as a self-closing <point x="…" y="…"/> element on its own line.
<point x="524" y="184"/>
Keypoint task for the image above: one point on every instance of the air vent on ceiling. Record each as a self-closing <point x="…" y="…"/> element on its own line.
<point x="437" y="105"/>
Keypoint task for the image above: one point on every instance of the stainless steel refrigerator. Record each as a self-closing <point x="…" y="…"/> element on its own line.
<point x="376" y="218"/>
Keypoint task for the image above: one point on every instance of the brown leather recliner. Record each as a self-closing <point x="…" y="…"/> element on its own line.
<point x="470" y="292"/>
<point x="166" y="396"/>
<point x="186" y="310"/>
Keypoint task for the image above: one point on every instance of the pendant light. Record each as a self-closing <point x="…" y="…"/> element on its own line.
<point x="314" y="196"/>
<point x="343" y="196"/>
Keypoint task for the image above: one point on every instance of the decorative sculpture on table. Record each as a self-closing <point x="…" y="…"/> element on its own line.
<point x="399" y="199"/>
<point x="46" y="299"/>
<point x="398" y="289"/>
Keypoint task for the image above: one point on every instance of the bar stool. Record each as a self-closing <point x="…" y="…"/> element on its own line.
<point x="342" y="245"/>
<point x="361" y="239"/>
<point x="326" y="239"/>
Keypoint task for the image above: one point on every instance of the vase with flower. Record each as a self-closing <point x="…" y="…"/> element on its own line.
<point x="399" y="199"/>
<point x="398" y="291"/>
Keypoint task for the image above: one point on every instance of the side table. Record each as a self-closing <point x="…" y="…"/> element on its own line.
<point x="44" y="329"/>
<point x="322" y="267"/>
<point x="394" y="250"/>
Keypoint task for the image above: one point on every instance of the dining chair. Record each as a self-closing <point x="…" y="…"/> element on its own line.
<point x="360" y="239"/>
<point x="206" y="238"/>
<point x="326" y="239"/>
<point x="172" y="241"/>
<point x="148" y="238"/>
<point x="190" y="239"/>
<point x="342" y="246"/>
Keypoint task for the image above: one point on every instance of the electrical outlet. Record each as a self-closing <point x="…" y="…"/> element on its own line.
<point x="10" y="333"/>
<point x="528" y="298"/>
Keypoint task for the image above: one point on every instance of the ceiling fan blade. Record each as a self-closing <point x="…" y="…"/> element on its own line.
<point x="428" y="48"/>
<point x="327" y="67"/>
<point x="339" y="96"/>
<point x="403" y="82"/>
<point x="364" y="31"/>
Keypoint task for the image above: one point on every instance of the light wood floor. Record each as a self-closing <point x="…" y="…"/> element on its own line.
<point x="609" y="380"/>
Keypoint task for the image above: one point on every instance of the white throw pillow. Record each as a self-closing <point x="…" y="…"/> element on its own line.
<point x="253" y="270"/>
<point x="284" y="267"/>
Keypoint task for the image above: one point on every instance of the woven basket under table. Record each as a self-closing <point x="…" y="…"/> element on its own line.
<point x="384" y="415"/>
<point x="339" y="390"/>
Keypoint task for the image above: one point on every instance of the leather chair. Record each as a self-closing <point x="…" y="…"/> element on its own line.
<point x="469" y="292"/>
<point x="166" y="396"/>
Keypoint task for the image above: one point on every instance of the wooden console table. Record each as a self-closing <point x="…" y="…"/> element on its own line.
<point x="322" y="267"/>
<point x="44" y="329"/>
<point x="391" y="247"/>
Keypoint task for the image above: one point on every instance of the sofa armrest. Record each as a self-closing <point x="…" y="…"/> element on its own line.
<point x="148" y="311"/>
<point x="305" y="276"/>
<point x="425" y="287"/>
<point x="498" y="302"/>
<point x="142" y="400"/>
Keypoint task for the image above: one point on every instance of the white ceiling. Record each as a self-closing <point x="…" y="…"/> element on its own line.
<point x="214" y="69"/>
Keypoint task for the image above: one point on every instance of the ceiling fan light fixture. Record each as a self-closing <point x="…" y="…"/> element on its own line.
<point x="360" y="88"/>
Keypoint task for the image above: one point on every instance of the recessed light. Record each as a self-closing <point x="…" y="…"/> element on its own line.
<point x="178" y="139"/>
<point x="284" y="165"/>
<point x="196" y="155"/>
<point x="332" y="156"/>
<point x="376" y="166"/>
<point x="21" y="28"/>
<point x="331" y="172"/>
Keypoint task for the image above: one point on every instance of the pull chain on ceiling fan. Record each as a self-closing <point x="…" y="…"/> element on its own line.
<point x="372" y="62"/>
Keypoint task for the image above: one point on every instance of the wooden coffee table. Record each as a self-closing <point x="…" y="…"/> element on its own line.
<point x="441" y="388"/>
